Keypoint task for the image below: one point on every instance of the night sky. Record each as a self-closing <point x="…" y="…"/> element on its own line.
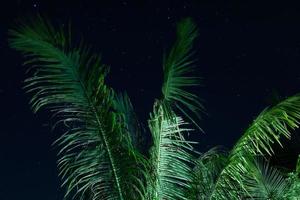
<point x="246" y="53"/>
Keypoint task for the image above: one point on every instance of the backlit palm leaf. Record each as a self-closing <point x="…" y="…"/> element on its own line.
<point x="171" y="158"/>
<point x="263" y="181"/>
<point x="170" y="163"/>
<point x="206" y="172"/>
<point x="177" y="65"/>
<point x="96" y="157"/>
<point x="267" y="129"/>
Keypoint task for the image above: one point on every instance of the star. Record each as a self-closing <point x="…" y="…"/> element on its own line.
<point x="113" y="28"/>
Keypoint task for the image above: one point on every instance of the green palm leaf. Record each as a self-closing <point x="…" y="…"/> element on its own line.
<point x="171" y="159"/>
<point x="271" y="125"/>
<point x="177" y="65"/>
<point x="123" y="105"/>
<point x="96" y="157"/>
<point x="206" y="172"/>
<point x="267" y="129"/>
<point x="263" y="181"/>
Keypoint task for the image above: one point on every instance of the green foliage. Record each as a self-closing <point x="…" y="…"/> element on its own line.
<point x="123" y="105"/>
<point x="263" y="181"/>
<point x="99" y="152"/>
<point x="267" y="129"/>
<point x="177" y="65"/>
<point x="171" y="158"/>
<point x="96" y="157"/>
<point x="206" y="172"/>
<point x="293" y="192"/>
<point x="272" y="124"/>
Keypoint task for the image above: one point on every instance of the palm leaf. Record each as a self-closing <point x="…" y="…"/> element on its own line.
<point x="267" y="129"/>
<point x="171" y="159"/>
<point x="263" y="181"/>
<point x="96" y="157"/>
<point x="177" y="65"/>
<point x="206" y="172"/>
<point x="123" y="105"/>
<point x="271" y="125"/>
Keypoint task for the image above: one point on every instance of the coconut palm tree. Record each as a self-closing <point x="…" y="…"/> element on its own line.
<point x="100" y="154"/>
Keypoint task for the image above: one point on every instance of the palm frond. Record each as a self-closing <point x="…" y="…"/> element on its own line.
<point x="206" y="172"/>
<point x="171" y="159"/>
<point x="267" y="129"/>
<point x="263" y="181"/>
<point x="271" y="125"/>
<point x="177" y="65"/>
<point x="123" y="105"/>
<point x="96" y="160"/>
<point x="250" y="178"/>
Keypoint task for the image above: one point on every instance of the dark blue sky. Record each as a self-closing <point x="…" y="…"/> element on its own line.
<point x="244" y="51"/>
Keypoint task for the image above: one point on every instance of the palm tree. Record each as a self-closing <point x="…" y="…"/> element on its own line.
<point x="99" y="153"/>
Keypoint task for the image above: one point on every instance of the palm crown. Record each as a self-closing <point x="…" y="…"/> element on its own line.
<point x="99" y="157"/>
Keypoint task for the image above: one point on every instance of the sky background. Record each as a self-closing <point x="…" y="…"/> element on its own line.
<point x="245" y="51"/>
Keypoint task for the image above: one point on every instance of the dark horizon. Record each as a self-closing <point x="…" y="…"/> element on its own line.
<point x="248" y="55"/>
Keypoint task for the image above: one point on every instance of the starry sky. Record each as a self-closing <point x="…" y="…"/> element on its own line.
<point x="247" y="54"/>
